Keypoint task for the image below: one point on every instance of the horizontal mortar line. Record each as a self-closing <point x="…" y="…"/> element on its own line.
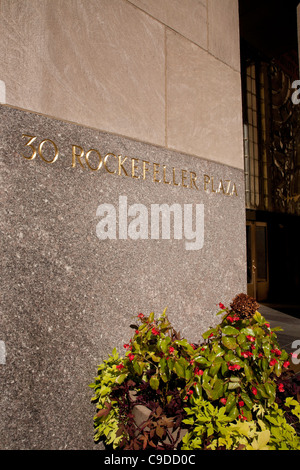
<point x="132" y="139"/>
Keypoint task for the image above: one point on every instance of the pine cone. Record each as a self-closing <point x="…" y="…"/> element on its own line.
<point x="244" y="305"/>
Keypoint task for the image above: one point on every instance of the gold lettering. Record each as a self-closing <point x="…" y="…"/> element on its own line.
<point x="221" y="187"/>
<point x="193" y="178"/>
<point x="234" y="190"/>
<point x="121" y="167"/>
<point x="75" y="155"/>
<point x="56" y="153"/>
<point x="228" y="186"/>
<point x="134" y="168"/>
<point x="165" y="180"/>
<point x="183" y="178"/>
<point x="155" y="172"/>
<point x="105" y="162"/>
<point x="87" y="156"/>
<point x="145" y="169"/>
<point x="174" y="182"/>
<point x="29" y="144"/>
<point x="206" y="181"/>
<point x="212" y="185"/>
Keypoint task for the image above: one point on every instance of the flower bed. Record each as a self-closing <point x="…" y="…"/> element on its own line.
<point x="234" y="391"/>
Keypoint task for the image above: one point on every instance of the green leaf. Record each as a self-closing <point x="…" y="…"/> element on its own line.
<point x="278" y="369"/>
<point x="262" y="391"/>
<point x="264" y="364"/>
<point x="233" y="385"/>
<point x="271" y="391"/>
<point x="248" y="372"/>
<point x="155" y="358"/>
<point x="179" y="369"/>
<point x="234" y="412"/>
<point x="224" y="368"/>
<point x="151" y="317"/>
<point x="188" y="373"/>
<point x="217" y="390"/>
<point x="263" y="439"/>
<point x="164" y="344"/>
<point x="208" y="390"/>
<point x="231" y="401"/>
<point x="154" y="382"/>
<point x="120" y="379"/>
<point x="241" y="339"/>
<point x="163" y="365"/>
<point x="230" y="330"/>
<point x="198" y="390"/>
<point x="259" y="318"/>
<point x="247" y="400"/>
<point x="247" y="331"/>
<point x="205" y="377"/>
<point x="138" y="367"/>
<point x="201" y="360"/>
<point x="183" y="342"/>
<point x="214" y="369"/>
<point x="209" y="332"/>
<point x="267" y="349"/>
<point x="171" y="363"/>
<point x="229" y="342"/>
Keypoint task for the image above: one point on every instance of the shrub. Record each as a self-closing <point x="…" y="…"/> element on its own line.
<point x="224" y="393"/>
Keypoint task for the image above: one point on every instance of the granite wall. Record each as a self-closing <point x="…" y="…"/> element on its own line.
<point x="69" y="293"/>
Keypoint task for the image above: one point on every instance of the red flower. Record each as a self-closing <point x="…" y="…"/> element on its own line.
<point x="193" y="346"/>
<point x="246" y="353"/>
<point x="137" y="332"/>
<point x="251" y="338"/>
<point x="273" y="362"/>
<point x="286" y="364"/>
<point x="241" y="403"/>
<point x="234" y="367"/>
<point x="120" y="366"/>
<point x="222" y="307"/>
<point x="155" y="331"/>
<point x="141" y="315"/>
<point x="260" y="355"/>
<point x="211" y="335"/>
<point x="232" y="319"/>
<point x="242" y="417"/>
<point x="198" y="371"/>
<point x="281" y="388"/>
<point x="131" y="357"/>
<point x="254" y="390"/>
<point x="126" y="346"/>
<point x="267" y="325"/>
<point x="190" y="392"/>
<point x="223" y="401"/>
<point x="192" y="361"/>
<point x="171" y="349"/>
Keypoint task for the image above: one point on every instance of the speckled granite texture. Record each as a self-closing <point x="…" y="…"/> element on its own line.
<point x="67" y="296"/>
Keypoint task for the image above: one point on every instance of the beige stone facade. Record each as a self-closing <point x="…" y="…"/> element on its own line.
<point x="163" y="72"/>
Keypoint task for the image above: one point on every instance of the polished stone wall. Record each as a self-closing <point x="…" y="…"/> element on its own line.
<point x="68" y="296"/>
